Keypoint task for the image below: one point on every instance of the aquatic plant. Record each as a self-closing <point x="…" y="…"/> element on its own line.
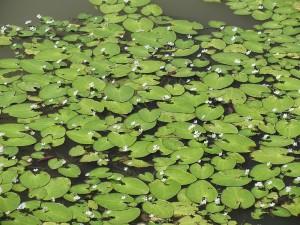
<point x="132" y="116"/>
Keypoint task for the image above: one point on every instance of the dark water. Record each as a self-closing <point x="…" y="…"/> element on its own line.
<point x="18" y="11"/>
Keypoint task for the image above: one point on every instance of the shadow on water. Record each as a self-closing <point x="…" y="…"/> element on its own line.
<point x="18" y="11"/>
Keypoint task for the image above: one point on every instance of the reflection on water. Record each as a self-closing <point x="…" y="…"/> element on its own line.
<point x="17" y="11"/>
<point x="198" y="10"/>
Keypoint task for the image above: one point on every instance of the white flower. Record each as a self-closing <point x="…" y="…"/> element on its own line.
<point x="196" y="134"/>
<point x="87" y="174"/>
<point x="35" y="170"/>
<point x="288" y="189"/>
<point x="274" y="110"/>
<point x="125" y="149"/>
<point x="258" y="184"/>
<point x="191" y="126"/>
<point x="155" y="147"/>
<point x="247" y="171"/>
<point x="233" y="38"/>
<point x="34" y="106"/>
<point x="166" y="97"/>
<point x="75" y="92"/>
<point x="28" y="22"/>
<point x="269" y="164"/>
<point x="297" y="179"/>
<point x="65" y="101"/>
<point x="133" y="123"/>
<point x="261" y="204"/>
<point x="269" y="182"/>
<point x="272" y="204"/>
<point x="76" y="197"/>
<point x="203" y="202"/>
<point x="277" y="92"/>
<point x="217" y="201"/>
<point x="237" y="61"/>
<point x="234" y="29"/>
<point x="218" y="70"/>
<point x="89" y="213"/>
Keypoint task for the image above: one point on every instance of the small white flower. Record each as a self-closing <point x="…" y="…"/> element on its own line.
<point x="34" y="106"/>
<point x="64" y="101"/>
<point x="196" y="134"/>
<point x="191" y="126"/>
<point x="87" y="174"/>
<point x="155" y="147"/>
<point x="234" y="29"/>
<point x="233" y="38"/>
<point x="123" y="197"/>
<point x="218" y="70"/>
<point x="258" y="184"/>
<point x="247" y="171"/>
<point x="89" y="213"/>
<point x="260" y="7"/>
<point x="125" y="149"/>
<point x="35" y="170"/>
<point x="248" y="52"/>
<point x="203" y="202"/>
<point x="288" y="189"/>
<point x="285" y="115"/>
<point x="269" y="182"/>
<point x="189" y="36"/>
<point x="272" y="204"/>
<point x="217" y="201"/>
<point x="297" y="179"/>
<point x="277" y="92"/>
<point x="76" y="197"/>
<point x="269" y="164"/>
<point x="166" y="97"/>
<point x="274" y="110"/>
<point x="237" y="61"/>
<point x="133" y="123"/>
<point x="220" y="154"/>
<point x="28" y="22"/>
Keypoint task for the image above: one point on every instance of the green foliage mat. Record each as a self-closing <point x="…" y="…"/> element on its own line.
<point x="132" y="116"/>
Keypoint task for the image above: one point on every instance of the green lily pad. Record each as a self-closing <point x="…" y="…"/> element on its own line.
<point x="132" y="186"/>
<point x="237" y="197"/>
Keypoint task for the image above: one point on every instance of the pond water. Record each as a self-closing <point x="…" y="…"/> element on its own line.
<point x="18" y="11"/>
